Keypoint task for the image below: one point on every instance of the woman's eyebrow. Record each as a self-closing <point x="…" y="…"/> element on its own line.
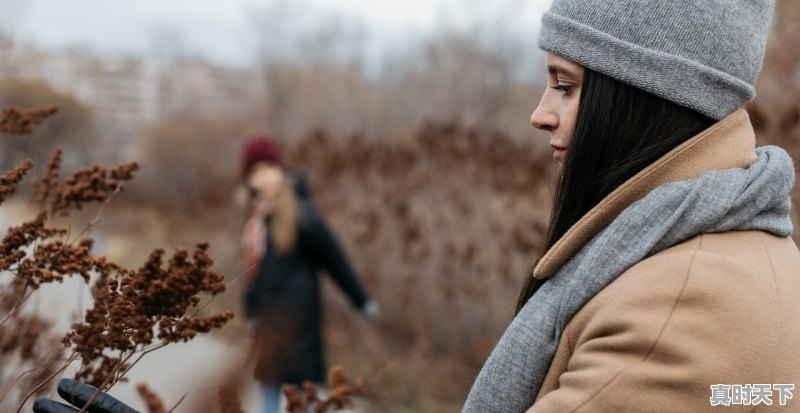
<point x="556" y="69"/>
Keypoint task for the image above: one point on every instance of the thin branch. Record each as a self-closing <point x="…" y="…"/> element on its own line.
<point x="21" y="375"/>
<point x="105" y="382"/>
<point x="17" y="305"/>
<point x="91" y="223"/>
<point x="174" y="406"/>
<point x="242" y="274"/>
<point x="97" y="217"/>
<point x="146" y="352"/>
<point x="47" y="380"/>
<point x="199" y="310"/>
<point x="377" y="377"/>
<point x="116" y="369"/>
<point x="228" y="285"/>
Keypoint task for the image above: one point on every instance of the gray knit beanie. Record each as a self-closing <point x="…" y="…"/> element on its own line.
<point x="702" y="54"/>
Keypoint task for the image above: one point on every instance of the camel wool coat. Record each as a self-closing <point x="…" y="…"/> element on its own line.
<point x="718" y="308"/>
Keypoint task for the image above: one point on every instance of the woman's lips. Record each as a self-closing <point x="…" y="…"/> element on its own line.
<point x="559" y="153"/>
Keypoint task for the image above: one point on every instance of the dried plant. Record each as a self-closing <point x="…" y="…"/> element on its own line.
<point x="49" y="182"/>
<point x="135" y="311"/>
<point x="22" y="121"/>
<point x="151" y="400"/>
<point x="10" y="179"/>
<point x="87" y="185"/>
<point x="339" y="397"/>
<point x="143" y="311"/>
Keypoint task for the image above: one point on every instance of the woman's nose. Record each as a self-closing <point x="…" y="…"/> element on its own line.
<point x="544" y="119"/>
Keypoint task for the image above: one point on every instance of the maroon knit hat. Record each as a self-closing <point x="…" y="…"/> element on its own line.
<point x="260" y="149"/>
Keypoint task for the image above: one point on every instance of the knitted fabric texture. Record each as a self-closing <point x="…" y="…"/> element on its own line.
<point x="260" y="149"/>
<point x="704" y="55"/>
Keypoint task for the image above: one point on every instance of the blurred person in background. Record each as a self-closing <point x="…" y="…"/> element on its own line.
<point x="286" y="242"/>
<point x="668" y="279"/>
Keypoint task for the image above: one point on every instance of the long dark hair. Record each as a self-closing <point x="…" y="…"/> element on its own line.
<point x="618" y="132"/>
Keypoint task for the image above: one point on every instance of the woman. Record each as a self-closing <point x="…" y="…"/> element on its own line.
<point x="668" y="280"/>
<point x="286" y="242"/>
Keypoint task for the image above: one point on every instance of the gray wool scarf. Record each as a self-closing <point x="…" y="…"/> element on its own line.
<point x="756" y="198"/>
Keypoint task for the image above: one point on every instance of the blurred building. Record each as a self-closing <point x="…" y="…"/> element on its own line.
<point x="129" y="95"/>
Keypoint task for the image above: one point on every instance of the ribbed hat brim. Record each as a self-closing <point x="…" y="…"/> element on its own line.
<point x="686" y="82"/>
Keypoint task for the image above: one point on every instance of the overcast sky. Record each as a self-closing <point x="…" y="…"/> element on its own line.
<point x="225" y="30"/>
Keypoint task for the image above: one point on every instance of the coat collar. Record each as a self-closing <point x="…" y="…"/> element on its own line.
<point x="729" y="143"/>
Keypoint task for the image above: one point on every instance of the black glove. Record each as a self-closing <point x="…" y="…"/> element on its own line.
<point x="77" y="394"/>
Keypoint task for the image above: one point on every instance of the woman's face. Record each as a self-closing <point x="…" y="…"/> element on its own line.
<point x="558" y="108"/>
<point x="264" y="184"/>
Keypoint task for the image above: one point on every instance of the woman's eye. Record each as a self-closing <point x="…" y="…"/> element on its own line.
<point x="565" y="89"/>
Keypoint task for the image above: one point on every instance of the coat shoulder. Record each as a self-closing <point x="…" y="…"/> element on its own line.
<point x="736" y="277"/>
<point x="727" y="261"/>
<point x="718" y="308"/>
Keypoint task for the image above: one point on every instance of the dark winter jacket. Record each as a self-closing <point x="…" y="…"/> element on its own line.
<point x="285" y="298"/>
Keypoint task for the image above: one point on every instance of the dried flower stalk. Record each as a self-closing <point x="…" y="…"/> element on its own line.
<point x="134" y="312"/>
<point x="151" y="400"/>
<point x="22" y="121"/>
<point x="10" y="179"/>
<point x="339" y="397"/>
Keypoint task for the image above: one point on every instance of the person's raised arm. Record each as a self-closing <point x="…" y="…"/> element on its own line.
<point x="323" y="247"/>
